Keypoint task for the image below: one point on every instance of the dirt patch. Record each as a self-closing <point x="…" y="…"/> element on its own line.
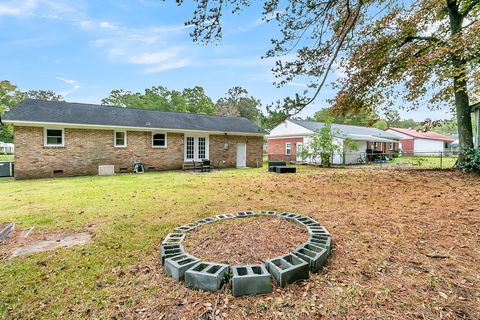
<point x="22" y="242"/>
<point x="244" y="241"/>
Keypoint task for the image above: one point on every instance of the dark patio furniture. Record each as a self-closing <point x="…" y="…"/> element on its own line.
<point x="206" y="165"/>
<point x="285" y="169"/>
<point x="280" y="167"/>
<point x="273" y="164"/>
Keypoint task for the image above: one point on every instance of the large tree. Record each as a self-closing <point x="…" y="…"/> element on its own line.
<point x="414" y="50"/>
<point x="10" y="95"/>
<point x="237" y="103"/>
<point x="364" y="118"/>
<point x="192" y="100"/>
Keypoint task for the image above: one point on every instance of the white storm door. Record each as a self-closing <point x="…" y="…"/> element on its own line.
<point x="241" y="155"/>
<point x="299" y="151"/>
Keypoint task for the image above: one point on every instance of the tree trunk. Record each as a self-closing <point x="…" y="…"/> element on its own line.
<point x="462" y="104"/>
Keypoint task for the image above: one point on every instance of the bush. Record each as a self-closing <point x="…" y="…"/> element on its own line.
<point x="471" y="160"/>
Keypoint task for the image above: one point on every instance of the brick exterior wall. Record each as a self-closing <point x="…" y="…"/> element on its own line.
<point x="86" y="149"/>
<point x="228" y="158"/>
<point x="407" y="146"/>
<point x="384" y="147"/>
<point x="276" y="148"/>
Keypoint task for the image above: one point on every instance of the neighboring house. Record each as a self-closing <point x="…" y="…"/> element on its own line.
<point x="7" y="147"/>
<point x="476" y="128"/>
<point x="61" y="138"/>
<point x="416" y="142"/>
<point x="286" y="141"/>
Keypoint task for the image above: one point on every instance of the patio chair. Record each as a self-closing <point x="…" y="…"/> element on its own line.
<point x="206" y="165"/>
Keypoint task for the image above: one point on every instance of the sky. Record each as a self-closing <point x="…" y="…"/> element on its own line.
<point x="83" y="49"/>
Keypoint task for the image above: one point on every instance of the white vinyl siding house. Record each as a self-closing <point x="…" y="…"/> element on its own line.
<point x="297" y="134"/>
<point x="422" y="143"/>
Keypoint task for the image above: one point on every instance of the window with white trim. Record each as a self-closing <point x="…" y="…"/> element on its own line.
<point x="392" y="146"/>
<point x="159" y="140"/>
<point x="54" y="137"/>
<point x="288" y="148"/>
<point x="120" y="139"/>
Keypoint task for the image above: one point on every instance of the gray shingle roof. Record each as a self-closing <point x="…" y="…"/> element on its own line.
<point x="347" y="130"/>
<point x="32" y="110"/>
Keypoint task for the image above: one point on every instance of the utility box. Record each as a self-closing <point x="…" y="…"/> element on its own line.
<point x="107" y="170"/>
<point x="6" y="168"/>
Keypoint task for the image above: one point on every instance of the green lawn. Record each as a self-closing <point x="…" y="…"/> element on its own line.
<point x="384" y="224"/>
<point x="129" y="215"/>
<point x="6" y="157"/>
<point x="427" y="162"/>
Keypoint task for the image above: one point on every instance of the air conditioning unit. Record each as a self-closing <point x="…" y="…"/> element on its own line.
<point x="106" y="170"/>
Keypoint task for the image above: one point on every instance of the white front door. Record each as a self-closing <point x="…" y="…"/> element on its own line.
<point x="196" y="147"/>
<point x="299" y="151"/>
<point x="241" y="155"/>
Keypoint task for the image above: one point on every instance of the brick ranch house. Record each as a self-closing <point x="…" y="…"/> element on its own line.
<point x="417" y="142"/>
<point x="69" y="139"/>
<point x="286" y="141"/>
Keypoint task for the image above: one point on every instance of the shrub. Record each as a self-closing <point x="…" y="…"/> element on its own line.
<point x="471" y="160"/>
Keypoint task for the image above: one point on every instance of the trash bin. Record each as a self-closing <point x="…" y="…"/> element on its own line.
<point x="6" y="168"/>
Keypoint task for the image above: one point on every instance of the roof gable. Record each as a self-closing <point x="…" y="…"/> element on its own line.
<point x="289" y="128"/>
<point x="40" y="111"/>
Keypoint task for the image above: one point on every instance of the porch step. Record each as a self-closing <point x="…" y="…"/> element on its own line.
<point x="190" y="165"/>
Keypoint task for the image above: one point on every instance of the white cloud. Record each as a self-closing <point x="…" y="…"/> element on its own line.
<point x="66" y="80"/>
<point x="18" y="7"/>
<point x="74" y="86"/>
<point x="169" y="65"/>
<point x="140" y="46"/>
<point x="161" y="60"/>
<point x="107" y="25"/>
<point x="155" y="57"/>
<point x="52" y="9"/>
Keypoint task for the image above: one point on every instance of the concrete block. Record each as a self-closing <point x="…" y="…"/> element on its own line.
<point x="174" y="238"/>
<point x="288" y="269"/>
<point x="306" y="221"/>
<point x="170" y="250"/>
<point x="315" y="256"/>
<point x="206" y="276"/>
<point x="225" y="216"/>
<point x="206" y="220"/>
<point x="183" y="229"/>
<point x="243" y="214"/>
<point x="250" y="280"/>
<point x="177" y="265"/>
<point x="268" y="213"/>
<point x="289" y="215"/>
<point x="321" y="241"/>
<point x="318" y="230"/>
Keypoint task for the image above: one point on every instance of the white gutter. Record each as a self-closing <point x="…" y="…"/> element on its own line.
<point x="111" y="127"/>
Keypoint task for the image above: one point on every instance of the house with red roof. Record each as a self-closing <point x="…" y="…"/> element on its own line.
<point x="420" y="142"/>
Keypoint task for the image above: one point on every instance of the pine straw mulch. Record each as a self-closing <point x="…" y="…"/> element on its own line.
<point x="231" y="241"/>
<point x="406" y="245"/>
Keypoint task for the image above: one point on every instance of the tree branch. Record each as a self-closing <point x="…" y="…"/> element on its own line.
<point x="422" y="38"/>
<point x="470" y="7"/>
<point x="343" y="36"/>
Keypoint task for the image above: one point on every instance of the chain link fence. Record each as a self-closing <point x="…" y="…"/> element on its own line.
<point x="420" y="160"/>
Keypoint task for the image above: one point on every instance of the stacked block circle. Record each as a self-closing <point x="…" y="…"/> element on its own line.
<point x="310" y="256"/>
